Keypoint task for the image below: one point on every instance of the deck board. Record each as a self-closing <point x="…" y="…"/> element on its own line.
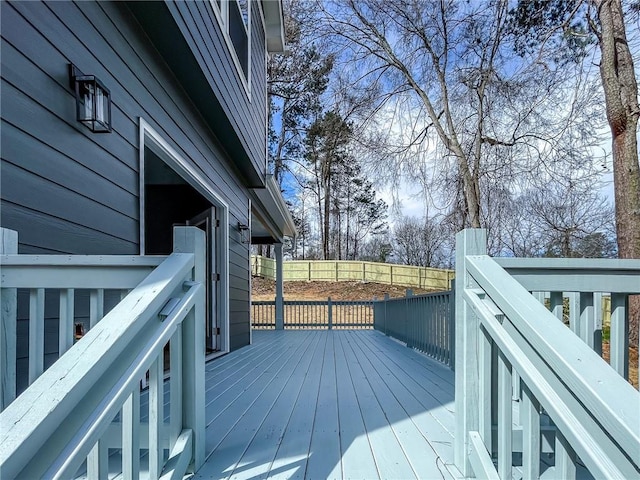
<point x="328" y="404"/>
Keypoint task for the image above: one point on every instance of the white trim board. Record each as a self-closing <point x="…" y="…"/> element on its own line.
<point x="155" y="142"/>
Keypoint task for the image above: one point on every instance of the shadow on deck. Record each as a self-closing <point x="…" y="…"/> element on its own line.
<point x="328" y="404"/>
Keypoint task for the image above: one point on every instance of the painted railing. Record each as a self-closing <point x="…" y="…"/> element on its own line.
<point x="422" y="322"/>
<point x="323" y="314"/>
<point x="59" y="278"/>
<point x="86" y="407"/>
<point x="354" y="271"/>
<point x="514" y="355"/>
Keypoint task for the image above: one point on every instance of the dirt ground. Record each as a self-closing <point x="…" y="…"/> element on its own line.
<point x="263" y="289"/>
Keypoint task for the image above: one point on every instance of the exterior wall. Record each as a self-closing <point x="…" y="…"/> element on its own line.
<point x="246" y="110"/>
<point x="67" y="190"/>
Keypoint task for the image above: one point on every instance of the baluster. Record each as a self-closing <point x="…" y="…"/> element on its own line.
<point x="565" y="459"/>
<point x="556" y="304"/>
<point x="155" y="417"/>
<point x="574" y="312"/>
<point x="175" y="387"/>
<point x="505" y="413"/>
<point x="425" y="316"/>
<point x="434" y="315"/>
<point x="98" y="461"/>
<point x="597" y="331"/>
<point x="67" y="311"/>
<point x="530" y="435"/>
<point x="96" y="306"/>
<point x="587" y="319"/>
<point x="485" y="356"/>
<point x="131" y="436"/>
<point x="619" y="334"/>
<point x="36" y="333"/>
<point x="432" y="328"/>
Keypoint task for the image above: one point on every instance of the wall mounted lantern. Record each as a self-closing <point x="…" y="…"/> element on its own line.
<point x="244" y="231"/>
<point x="93" y="101"/>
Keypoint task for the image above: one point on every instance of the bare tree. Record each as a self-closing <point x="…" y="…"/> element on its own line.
<point x="569" y="23"/>
<point x="419" y="242"/>
<point x="480" y="113"/>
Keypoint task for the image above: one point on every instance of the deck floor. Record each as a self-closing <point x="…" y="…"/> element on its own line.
<point x="320" y="404"/>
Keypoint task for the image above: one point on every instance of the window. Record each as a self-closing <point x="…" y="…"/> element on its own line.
<point x="239" y="31"/>
<point x="234" y="17"/>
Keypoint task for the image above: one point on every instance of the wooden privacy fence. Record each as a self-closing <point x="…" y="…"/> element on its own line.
<point x="347" y="270"/>
<point x="314" y="314"/>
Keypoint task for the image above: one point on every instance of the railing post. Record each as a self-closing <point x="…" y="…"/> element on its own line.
<point x="192" y="240"/>
<point x="279" y="288"/>
<point x="330" y="313"/>
<point x="468" y="242"/>
<point x="8" y="245"/>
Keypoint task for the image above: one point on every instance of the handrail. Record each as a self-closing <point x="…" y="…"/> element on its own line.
<point x="66" y="415"/>
<point x="76" y="271"/>
<point x="574" y="274"/>
<point x="65" y="275"/>
<point x="607" y="397"/>
<point x="513" y="354"/>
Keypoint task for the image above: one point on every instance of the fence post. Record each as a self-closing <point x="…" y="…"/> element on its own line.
<point x="468" y="242"/>
<point x="330" y="313"/>
<point x="192" y="240"/>
<point x="279" y="288"/>
<point x="8" y="246"/>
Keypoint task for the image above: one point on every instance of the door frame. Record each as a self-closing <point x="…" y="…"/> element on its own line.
<point x="151" y="139"/>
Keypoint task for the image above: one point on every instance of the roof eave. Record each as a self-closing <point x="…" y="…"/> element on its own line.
<point x="274" y="25"/>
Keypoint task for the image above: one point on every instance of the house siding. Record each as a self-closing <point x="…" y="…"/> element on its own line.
<point x="246" y="111"/>
<point x="67" y="190"/>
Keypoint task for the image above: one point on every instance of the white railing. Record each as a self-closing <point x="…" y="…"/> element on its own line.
<point x="85" y="410"/>
<point x="517" y="364"/>
<point x="60" y="276"/>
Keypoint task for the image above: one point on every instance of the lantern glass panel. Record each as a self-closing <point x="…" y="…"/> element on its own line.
<point x="93" y="103"/>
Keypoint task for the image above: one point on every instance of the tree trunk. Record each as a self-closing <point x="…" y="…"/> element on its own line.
<point x="621" y="101"/>
<point x="326" y="226"/>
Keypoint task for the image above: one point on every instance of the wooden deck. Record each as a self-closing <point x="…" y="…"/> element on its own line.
<point x="322" y="404"/>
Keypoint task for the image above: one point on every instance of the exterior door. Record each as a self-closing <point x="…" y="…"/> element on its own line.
<point x="207" y="221"/>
